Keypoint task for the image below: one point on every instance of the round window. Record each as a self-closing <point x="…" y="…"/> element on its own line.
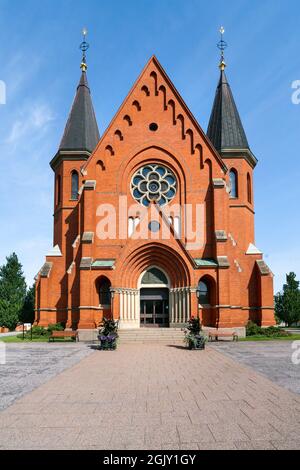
<point x="154" y="226"/>
<point x="153" y="183"/>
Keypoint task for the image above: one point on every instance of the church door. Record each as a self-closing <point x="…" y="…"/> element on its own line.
<point x="154" y="310"/>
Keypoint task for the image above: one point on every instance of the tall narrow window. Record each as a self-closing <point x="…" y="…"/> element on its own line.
<point x="177" y="227"/>
<point x="204" y="294"/>
<point x="104" y="291"/>
<point x="58" y="189"/>
<point x="74" y="185"/>
<point x="233" y="183"/>
<point x="249" y="192"/>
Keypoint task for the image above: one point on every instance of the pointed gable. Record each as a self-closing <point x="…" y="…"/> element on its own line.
<point x="153" y="82"/>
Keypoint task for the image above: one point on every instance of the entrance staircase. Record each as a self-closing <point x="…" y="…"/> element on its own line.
<point x="151" y="335"/>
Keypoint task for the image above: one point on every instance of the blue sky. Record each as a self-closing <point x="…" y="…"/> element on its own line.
<point x="40" y="59"/>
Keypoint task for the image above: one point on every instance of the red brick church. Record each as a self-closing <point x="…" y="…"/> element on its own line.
<point x="154" y="220"/>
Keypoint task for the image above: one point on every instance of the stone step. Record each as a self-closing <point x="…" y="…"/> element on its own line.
<point x="138" y="335"/>
<point x="171" y="333"/>
<point x="151" y="335"/>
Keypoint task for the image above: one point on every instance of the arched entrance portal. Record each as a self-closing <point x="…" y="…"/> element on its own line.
<point x="154" y="299"/>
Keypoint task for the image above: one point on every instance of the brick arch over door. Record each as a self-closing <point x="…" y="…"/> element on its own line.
<point x="157" y="254"/>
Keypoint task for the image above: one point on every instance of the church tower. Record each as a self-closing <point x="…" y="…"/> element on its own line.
<point x="79" y="139"/>
<point x="225" y="130"/>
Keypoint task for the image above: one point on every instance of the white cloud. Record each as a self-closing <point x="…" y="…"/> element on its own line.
<point x="33" y="118"/>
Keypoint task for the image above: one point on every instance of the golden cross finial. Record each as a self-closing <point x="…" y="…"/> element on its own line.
<point x="222" y="46"/>
<point x="84" y="47"/>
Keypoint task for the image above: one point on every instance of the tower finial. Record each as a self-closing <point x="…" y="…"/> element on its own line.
<point x="84" y="47"/>
<point x="222" y="45"/>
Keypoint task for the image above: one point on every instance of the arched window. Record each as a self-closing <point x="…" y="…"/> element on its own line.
<point x="74" y="185"/>
<point x="154" y="276"/>
<point x="233" y="183"/>
<point x="58" y="189"/>
<point x="204" y="293"/>
<point x="104" y="291"/>
<point x="249" y="192"/>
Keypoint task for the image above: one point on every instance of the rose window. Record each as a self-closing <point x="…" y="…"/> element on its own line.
<point x="153" y="183"/>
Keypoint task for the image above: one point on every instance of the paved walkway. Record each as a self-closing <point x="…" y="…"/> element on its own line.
<point x="154" y="397"/>
<point x="29" y="365"/>
<point x="270" y="358"/>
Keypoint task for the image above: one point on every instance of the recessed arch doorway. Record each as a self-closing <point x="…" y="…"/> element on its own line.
<point x="154" y="298"/>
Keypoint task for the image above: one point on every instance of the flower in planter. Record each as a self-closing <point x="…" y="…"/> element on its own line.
<point x="108" y="334"/>
<point x="194" y="338"/>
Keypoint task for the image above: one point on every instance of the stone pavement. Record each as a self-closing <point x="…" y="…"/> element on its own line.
<point x="150" y="396"/>
<point x="270" y="358"/>
<point x="29" y="365"/>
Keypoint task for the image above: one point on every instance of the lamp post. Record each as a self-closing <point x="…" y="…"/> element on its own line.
<point x="112" y="294"/>
<point x="198" y="298"/>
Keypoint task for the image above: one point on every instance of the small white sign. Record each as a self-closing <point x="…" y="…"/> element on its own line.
<point x="2" y="353"/>
<point x="296" y="353"/>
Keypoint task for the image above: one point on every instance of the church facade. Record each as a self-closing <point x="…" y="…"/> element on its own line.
<point x="154" y="220"/>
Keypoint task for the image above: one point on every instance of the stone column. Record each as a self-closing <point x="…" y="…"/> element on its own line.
<point x="188" y="300"/>
<point x="121" y="304"/>
<point x="129" y="309"/>
<point x="171" y="312"/>
<point x="137" y="307"/>
<point x="183" y="294"/>
<point x="176" y="309"/>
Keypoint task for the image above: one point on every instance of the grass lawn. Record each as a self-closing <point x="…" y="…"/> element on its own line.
<point x="268" y="338"/>
<point x="41" y="339"/>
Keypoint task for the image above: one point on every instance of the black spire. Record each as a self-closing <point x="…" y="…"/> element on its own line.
<point x="225" y="128"/>
<point x="81" y="131"/>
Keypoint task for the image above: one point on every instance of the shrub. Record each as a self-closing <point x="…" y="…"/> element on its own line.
<point x="194" y="338"/>
<point x="55" y="327"/>
<point x="194" y="326"/>
<point x="252" y="329"/>
<point x="37" y="331"/>
<point x="108" y="326"/>
<point x="273" y="331"/>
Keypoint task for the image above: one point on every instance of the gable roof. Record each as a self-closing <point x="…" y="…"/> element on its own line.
<point x="153" y="63"/>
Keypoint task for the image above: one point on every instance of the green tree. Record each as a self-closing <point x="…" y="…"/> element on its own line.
<point x="12" y="292"/>
<point x="27" y="313"/>
<point x="287" y="302"/>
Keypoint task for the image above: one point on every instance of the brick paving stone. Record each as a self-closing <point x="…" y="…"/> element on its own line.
<point x="216" y="446"/>
<point x="195" y="433"/>
<point x="228" y="432"/>
<point x="149" y="396"/>
<point x="287" y="445"/>
<point x="254" y="445"/>
<point x="261" y="431"/>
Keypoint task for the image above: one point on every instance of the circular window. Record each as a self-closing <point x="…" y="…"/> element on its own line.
<point x="153" y="126"/>
<point x="153" y="183"/>
<point x="154" y="226"/>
